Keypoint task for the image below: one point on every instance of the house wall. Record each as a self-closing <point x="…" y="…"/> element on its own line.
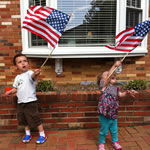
<point x="76" y="110"/>
<point x="74" y="70"/>
<point x="66" y="110"/>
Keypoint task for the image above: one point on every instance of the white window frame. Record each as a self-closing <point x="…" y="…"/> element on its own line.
<point x="84" y="52"/>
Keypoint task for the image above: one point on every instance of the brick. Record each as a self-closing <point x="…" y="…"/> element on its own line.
<point x="15" y="16"/>
<point x="131" y="75"/>
<point x="76" y="115"/>
<point x="69" y="120"/>
<point x="140" y="62"/>
<point x="141" y="113"/>
<point x="3" y="111"/>
<point x="142" y="143"/>
<point x="68" y="110"/>
<point x="88" y="119"/>
<point x="129" y="144"/>
<point x="74" y="125"/>
<point x="60" y="126"/>
<point x="124" y="133"/>
<point x="51" y="120"/>
<point x="6" y="23"/>
<point x="91" y="125"/>
<point x="76" y="104"/>
<point x="60" y="115"/>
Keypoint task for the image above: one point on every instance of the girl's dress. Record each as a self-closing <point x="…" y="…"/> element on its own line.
<point x="108" y="102"/>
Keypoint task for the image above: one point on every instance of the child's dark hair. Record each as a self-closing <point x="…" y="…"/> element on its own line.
<point x="18" y="55"/>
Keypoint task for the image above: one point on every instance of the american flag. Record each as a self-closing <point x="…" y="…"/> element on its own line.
<point x="46" y="22"/>
<point x="130" y="38"/>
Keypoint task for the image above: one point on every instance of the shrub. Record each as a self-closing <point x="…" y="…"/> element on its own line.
<point x="136" y="85"/>
<point x="44" y="86"/>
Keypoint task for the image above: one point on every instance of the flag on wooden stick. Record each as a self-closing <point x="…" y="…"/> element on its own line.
<point x="46" y="22"/>
<point x="130" y="38"/>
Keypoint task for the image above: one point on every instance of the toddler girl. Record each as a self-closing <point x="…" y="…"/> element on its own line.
<point x="108" y="106"/>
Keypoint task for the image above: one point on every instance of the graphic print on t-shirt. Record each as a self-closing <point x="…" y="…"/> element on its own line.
<point x="20" y="82"/>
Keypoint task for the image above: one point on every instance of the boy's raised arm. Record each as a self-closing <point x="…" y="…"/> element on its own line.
<point x="36" y="73"/>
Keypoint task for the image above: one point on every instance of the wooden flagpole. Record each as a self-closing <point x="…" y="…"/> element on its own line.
<point x="47" y="58"/>
<point x="124" y="56"/>
<point x="51" y="51"/>
<point x="117" y="67"/>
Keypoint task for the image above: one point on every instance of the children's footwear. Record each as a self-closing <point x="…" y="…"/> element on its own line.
<point x="26" y="139"/>
<point x="101" y="146"/>
<point x="41" y="140"/>
<point x="117" y="146"/>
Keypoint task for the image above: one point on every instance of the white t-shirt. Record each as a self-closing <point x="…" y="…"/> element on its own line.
<point x="26" y="90"/>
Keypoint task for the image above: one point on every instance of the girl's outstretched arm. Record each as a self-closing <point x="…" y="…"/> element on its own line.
<point x="107" y="75"/>
<point x="132" y="93"/>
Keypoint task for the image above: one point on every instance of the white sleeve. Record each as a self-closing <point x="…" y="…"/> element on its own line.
<point x="30" y="75"/>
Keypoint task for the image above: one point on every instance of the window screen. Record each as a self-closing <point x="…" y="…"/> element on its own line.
<point x="93" y="22"/>
<point x="134" y="13"/>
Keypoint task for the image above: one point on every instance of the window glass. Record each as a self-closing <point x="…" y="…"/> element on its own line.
<point x="134" y="3"/>
<point x="93" y="22"/>
<point x="134" y="13"/>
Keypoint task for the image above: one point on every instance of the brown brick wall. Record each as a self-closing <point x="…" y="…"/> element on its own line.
<point x="69" y="110"/>
<point x="75" y="70"/>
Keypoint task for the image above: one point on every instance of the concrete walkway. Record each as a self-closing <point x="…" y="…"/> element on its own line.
<point x="131" y="138"/>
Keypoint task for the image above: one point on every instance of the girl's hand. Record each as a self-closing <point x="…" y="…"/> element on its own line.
<point x="132" y="93"/>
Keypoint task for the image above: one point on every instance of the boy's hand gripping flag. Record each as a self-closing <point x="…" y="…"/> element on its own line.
<point x="46" y="22"/>
<point x="129" y="39"/>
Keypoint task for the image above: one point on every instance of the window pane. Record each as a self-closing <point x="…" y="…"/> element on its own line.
<point x="133" y="17"/>
<point x="37" y="40"/>
<point x="134" y="3"/>
<point x="93" y="22"/>
<point x="37" y="2"/>
<point x="134" y="13"/>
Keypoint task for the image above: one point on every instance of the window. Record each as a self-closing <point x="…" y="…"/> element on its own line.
<point x="94" y="24"/>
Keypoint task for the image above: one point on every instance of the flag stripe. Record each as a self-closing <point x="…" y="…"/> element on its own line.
<point x="124" y="32"/>
<point x="45" y="11"/>
<point x="124" y="37"/>
<point x="43" y="28"/>
<point x="128" y="45"/>
<point x="129" y="39"/>
<point x="35" y="28"/>
<point x="39" y="16"/>
<point x="43" y="25"/>
<point x="29" y="28"/>
<point x="37" y="23"/>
